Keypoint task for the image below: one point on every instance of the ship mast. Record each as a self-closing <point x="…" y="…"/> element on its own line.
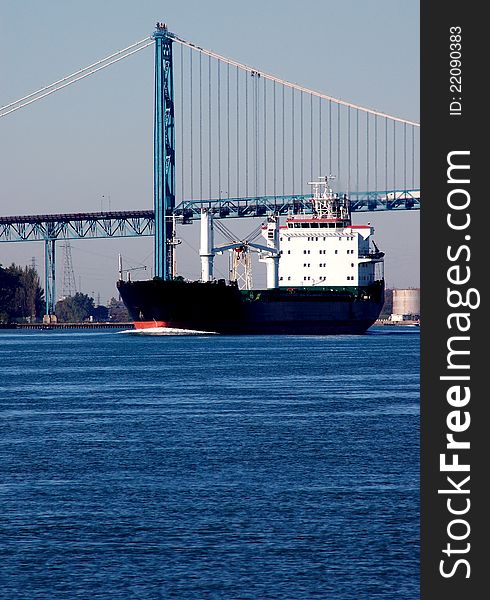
<point x="327" y="204"/>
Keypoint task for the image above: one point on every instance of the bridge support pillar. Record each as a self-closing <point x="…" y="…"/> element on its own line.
<point x="50" y="276"/>
<point x="164" y="154"/>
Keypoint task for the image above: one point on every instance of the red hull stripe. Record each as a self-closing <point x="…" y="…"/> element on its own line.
<point x="148" y="324"/>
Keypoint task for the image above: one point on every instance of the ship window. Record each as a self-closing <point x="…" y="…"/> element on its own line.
<point x="352" y="264"/>
<point x="289" y="251"/>
<point x="281" y="278"/>
<point x="336" y="251"/>
<point x="308" y="264"/>
<point x="304" y="251"/>
<point x="289" y="278"/>
<point x="308" y="251"/>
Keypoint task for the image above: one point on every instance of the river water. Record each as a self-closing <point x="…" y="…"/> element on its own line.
<point x="209" y="467"/>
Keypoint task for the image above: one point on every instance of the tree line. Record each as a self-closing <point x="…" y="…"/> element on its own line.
<point x="21" y="294"/>
<point x="22" y="299"/>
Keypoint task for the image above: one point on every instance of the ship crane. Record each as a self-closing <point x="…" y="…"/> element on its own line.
<point x="269" y="254"/>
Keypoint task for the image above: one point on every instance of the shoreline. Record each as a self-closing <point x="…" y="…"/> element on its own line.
<point x="118" y="325"/>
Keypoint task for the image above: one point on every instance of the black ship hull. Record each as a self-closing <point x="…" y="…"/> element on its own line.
<point x="223" y="308"/>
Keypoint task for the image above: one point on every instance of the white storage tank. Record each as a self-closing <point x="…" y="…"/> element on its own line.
<point x="406" y="302"/>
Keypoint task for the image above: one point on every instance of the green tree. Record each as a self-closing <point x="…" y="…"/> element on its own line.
<point x="29" y="296"/>
<point x="117" y="311"/>
<point x="21" y="295"/>
<point x="8" y="285"/>
<point x="74" y="309"/>
<point x="100" y="313"/>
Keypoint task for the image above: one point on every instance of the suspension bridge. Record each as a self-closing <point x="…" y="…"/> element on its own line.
<point x="239" y="142"/>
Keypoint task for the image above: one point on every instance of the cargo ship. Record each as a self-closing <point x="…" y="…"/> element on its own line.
<point x="324" y="276"/>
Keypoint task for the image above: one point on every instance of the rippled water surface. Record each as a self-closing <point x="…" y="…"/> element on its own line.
<point x="209" y="467"/>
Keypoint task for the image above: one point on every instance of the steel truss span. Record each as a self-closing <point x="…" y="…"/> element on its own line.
<point x="142" y="222"/>
<point x="77" y="226"/>
<point x="262" y="206"/>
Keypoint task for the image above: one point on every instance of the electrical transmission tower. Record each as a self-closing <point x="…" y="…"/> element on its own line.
<point x="69" y="285"/>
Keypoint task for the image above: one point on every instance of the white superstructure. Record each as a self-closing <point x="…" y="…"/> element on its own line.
<point x="321" y="248"/>
<point x="325" y="249"/>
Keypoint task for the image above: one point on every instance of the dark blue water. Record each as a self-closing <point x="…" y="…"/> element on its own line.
<point x="209" y="467"/>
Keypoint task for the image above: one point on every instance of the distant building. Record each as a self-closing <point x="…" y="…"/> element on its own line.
<point x="406" y="305"/>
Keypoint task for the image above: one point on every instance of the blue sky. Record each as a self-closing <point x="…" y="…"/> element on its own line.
<point x="94" y="139"/>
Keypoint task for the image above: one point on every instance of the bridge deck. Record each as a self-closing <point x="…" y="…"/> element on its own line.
<point x="134" y="223"/>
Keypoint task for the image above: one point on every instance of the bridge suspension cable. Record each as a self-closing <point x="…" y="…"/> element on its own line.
<point x="270" y="141"/>
<point x="283" y="82"/>
<point x="74" y="77"/>
<point x="267" y="131"/>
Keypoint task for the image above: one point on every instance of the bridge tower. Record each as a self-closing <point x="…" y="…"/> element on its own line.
<point x="164" y="154"/>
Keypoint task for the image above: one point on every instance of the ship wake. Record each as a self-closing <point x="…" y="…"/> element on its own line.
<point x="166" y="331"/>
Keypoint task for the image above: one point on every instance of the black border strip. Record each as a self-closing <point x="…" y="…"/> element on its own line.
<point x="441" y="134"/>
